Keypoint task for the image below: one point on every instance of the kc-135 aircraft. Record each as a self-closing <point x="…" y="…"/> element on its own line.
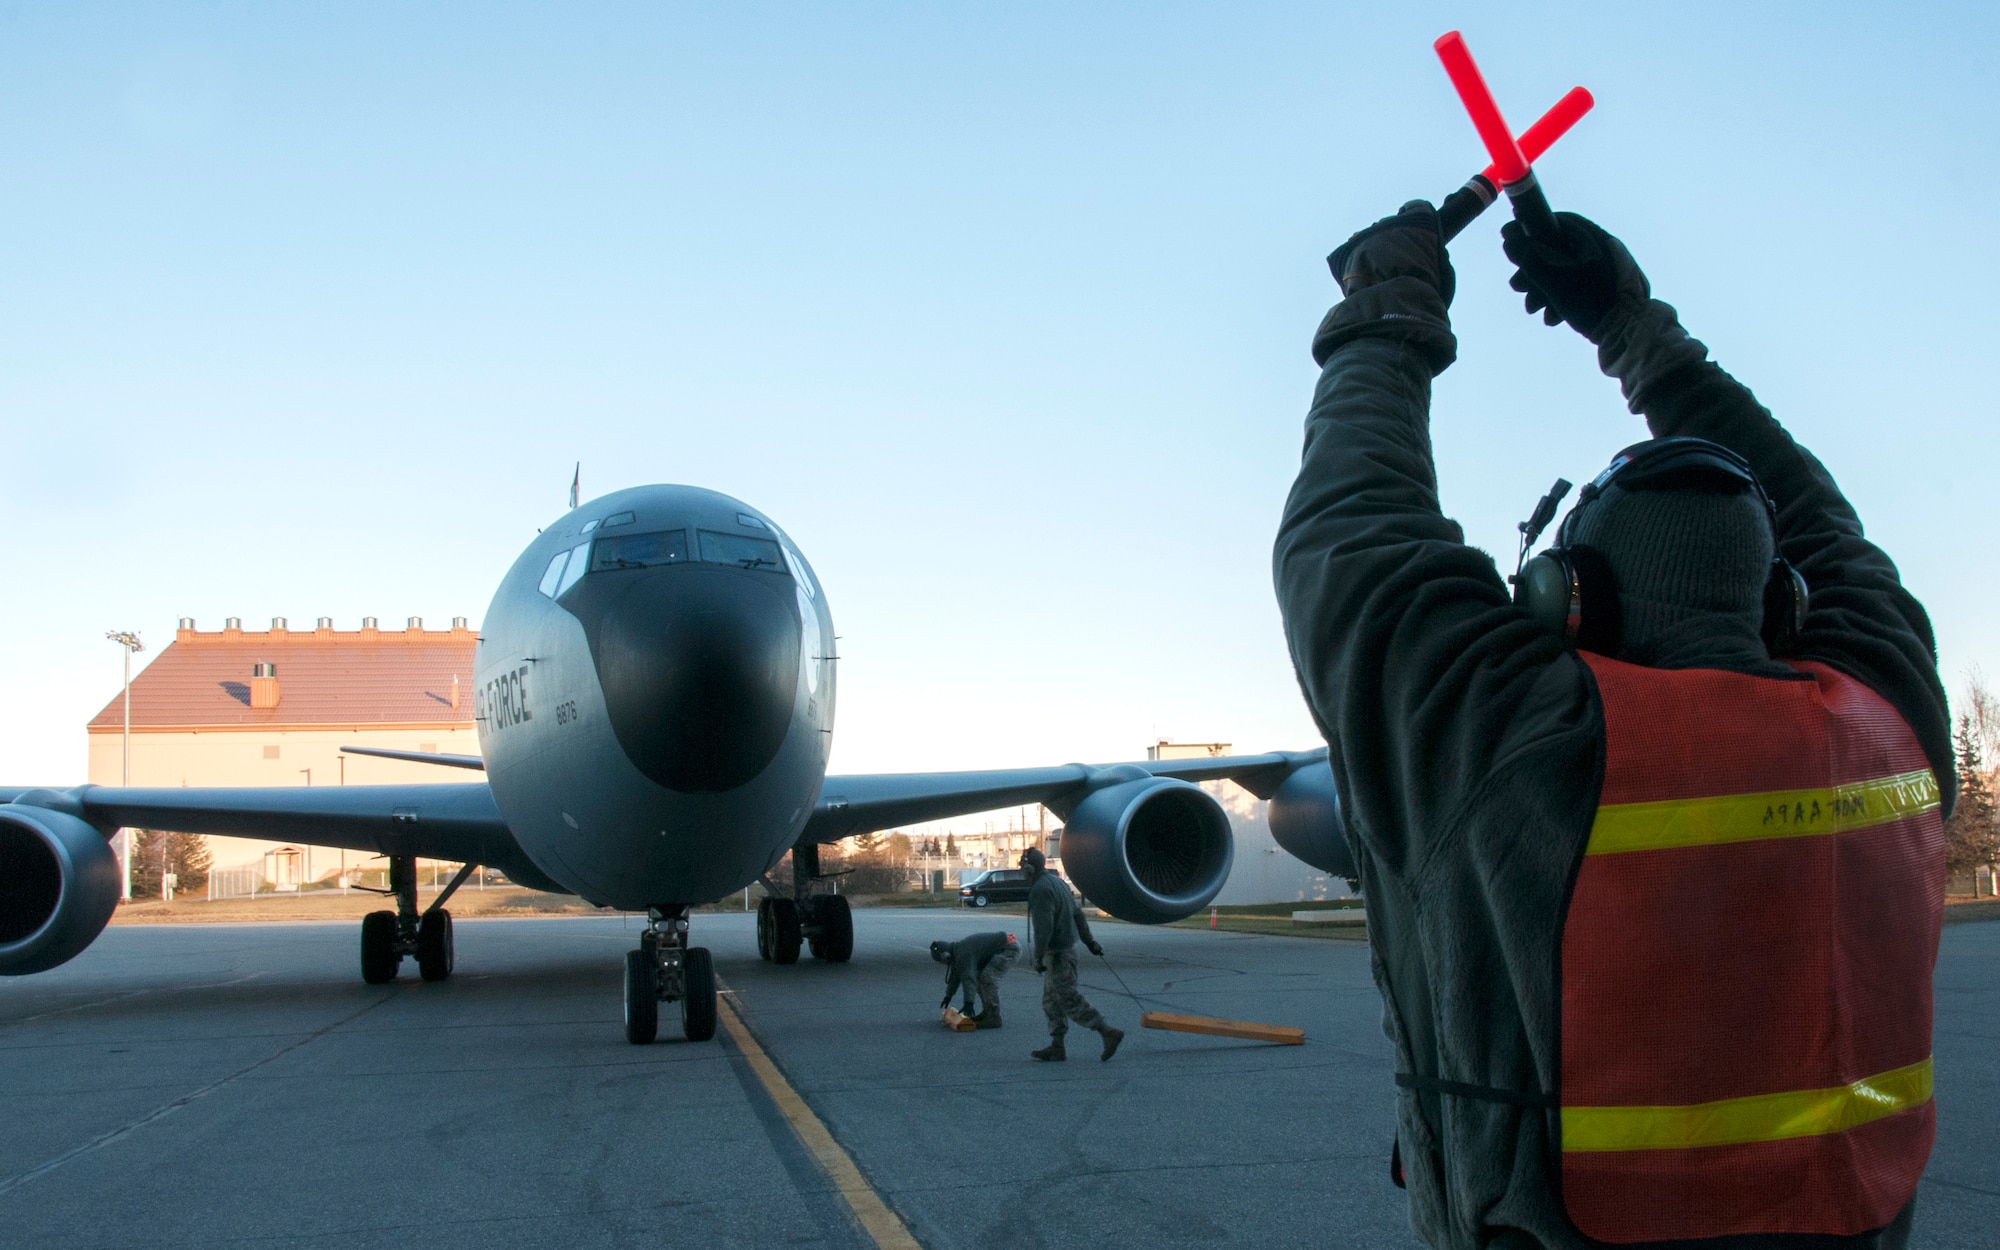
<point x="655" y="693"/>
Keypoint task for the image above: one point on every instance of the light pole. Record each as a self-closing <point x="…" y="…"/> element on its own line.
<point x="130" y="641"/>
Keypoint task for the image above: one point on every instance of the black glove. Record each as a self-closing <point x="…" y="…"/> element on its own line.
<point x="1398" y="282"/>
<point x="946" y="1002"/>
<point x="1408" y="245"/>
<point x="1579" y="278"/>
<point x="1097" y="950"/>
<point x="1038" y="966"/>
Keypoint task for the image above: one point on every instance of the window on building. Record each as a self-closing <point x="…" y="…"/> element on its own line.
<point x="638" y="551"/>
<point x="751" y="553"/>
<point x="270" y="753"/>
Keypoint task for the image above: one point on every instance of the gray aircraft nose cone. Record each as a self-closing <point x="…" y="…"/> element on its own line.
<point x="699" y="667"/>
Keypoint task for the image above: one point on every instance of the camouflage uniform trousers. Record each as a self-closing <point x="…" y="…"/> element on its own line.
<point x="989" y="977"/>
<point x="1061" y="1001"/>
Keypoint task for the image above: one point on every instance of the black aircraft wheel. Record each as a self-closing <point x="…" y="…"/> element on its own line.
<point x="764" y="928"/>
<point x="785" y="934"/>
<point x="379" y="959"/>
<point x="836" y="923"/>
<point x="434" y="951"/>
<point x="698" y="1003"/>
<point x="642" y="997"/>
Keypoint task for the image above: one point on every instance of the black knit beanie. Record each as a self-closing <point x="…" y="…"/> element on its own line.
<point x="1687" y="563"/>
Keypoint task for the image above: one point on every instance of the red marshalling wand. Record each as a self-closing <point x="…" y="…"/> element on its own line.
<point x="1512" y="168"/>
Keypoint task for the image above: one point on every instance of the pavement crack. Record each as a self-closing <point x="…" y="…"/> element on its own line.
<point x="119" y="1134"/>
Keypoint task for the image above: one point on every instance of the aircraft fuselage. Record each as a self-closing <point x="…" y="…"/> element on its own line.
<point x="655" y="696"/>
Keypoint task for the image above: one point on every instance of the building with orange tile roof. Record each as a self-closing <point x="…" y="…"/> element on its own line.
<point x="236" y="707"/>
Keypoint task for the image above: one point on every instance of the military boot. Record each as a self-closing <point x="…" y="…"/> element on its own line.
<point x="988" y="1018"/>
<point x="1111" y="1039"/>
<point x="1051" y="1053"/>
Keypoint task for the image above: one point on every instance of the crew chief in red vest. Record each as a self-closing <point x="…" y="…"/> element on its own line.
<point x="1653" y="862"/>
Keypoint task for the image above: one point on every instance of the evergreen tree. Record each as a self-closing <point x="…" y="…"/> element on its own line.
<point x="183" y="854"/>
<point x="1971" y="837"/>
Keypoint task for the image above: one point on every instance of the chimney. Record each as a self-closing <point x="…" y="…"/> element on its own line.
<point x="416" y="625"/>
<point x="264" y="685"/>
<point x="279" y="625"/>
<point x="454" y="692"/>
<point x="367" y="627"/>
<point x="324" y="627"/>
<point x="185" y="633"/>
<point x="232" y="625"/>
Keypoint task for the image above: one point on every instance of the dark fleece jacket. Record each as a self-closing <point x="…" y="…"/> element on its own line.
<point x="1468" y="744"/>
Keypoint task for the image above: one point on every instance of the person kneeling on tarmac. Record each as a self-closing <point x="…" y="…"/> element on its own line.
<point x="1055" y="921"/>
<point x="981" y="959"/>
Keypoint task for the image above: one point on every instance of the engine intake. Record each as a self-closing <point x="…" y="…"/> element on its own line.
<point x="59" y="884"/>
<point x="1148" y="850"/>
<point x="1305" y="819"/>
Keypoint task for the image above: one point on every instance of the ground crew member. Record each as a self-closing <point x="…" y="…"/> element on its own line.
<point x="1654" y="881"/>
<point x="981" y="959"/>
<point x="1055" y="921"/>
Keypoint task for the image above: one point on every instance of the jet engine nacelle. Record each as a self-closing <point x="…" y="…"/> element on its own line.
<point x="1305" y="819"/>
<point x="1149" y="850"/>
<point x="59" y="884"/>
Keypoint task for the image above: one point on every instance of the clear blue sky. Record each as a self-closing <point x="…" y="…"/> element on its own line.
<point x="1002" y="310"/>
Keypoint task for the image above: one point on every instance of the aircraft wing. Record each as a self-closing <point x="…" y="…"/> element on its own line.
<point x="455" y="822"/>
<point x="864" y="803"/>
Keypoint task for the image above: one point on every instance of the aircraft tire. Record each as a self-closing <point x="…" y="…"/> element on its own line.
<point x="698" y="1003"/>
<point x="379" y="959"/>
<point x="642" y="997"/>
<point x="435" y="956"/>
<point x="836" y="922"/>
<point x="785" y="931"/>
<point x="764" y="928"/>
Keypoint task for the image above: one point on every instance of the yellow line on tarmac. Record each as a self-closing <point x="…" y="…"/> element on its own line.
<point x="876" y="1219"/>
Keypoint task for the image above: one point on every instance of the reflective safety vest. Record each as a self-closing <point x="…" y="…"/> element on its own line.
<point x="1746" y="960"/>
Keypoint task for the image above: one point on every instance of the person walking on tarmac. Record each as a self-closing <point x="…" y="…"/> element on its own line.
<point x="1055" y="922"/>
<point x="983" y="959"/>
<point x="1652" y="848"/>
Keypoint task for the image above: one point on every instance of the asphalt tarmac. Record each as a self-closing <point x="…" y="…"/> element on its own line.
<point x="238" y="1085"/>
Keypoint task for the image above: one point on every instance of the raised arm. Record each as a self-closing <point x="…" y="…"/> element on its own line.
<point x="1860" y="619"/>
<point x="1417" y="667"/>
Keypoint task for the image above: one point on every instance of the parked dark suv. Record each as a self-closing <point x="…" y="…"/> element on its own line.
<point x="998" y="885"/>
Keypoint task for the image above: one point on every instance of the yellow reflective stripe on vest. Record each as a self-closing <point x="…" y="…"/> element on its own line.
<point x="1755" y="817"/>
<point x="1760" y="1117"/>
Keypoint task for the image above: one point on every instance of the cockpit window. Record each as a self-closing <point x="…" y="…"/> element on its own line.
<point x="640" y="551"/>
<point x="554" y="575"/>
<point x="618" y="518"/>
<point x="579" y="561"/>
<point x="739" y="549"/>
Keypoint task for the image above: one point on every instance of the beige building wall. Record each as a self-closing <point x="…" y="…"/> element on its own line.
<point x="279" y="757"/>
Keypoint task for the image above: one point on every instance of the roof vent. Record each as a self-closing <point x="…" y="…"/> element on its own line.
<point x="187" y="622"/>
<point x="416" y="624"/>
<point x="278" y="623"/>
<point x="458" y="622"/>
<point x="263" y="685"/>
<point x="233" y="622"/>
<point x="368" y="622"/>
<point x="325" y="622"/>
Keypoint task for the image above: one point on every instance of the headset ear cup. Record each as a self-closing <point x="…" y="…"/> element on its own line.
<point x="1600" y="624"/>
<point x="1785" y="598"/>
<point x="1546" y="590"/>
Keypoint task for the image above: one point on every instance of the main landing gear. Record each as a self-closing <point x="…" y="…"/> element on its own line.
<point x="387" y="936"/>
<point x="822" y="921"/>
<point x="666" y="969"/>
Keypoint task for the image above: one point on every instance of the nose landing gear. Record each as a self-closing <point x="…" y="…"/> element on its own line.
<point x="666" y="969"/>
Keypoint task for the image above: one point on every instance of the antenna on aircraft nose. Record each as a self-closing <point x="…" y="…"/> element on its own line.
<point x="575" y="483"/>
